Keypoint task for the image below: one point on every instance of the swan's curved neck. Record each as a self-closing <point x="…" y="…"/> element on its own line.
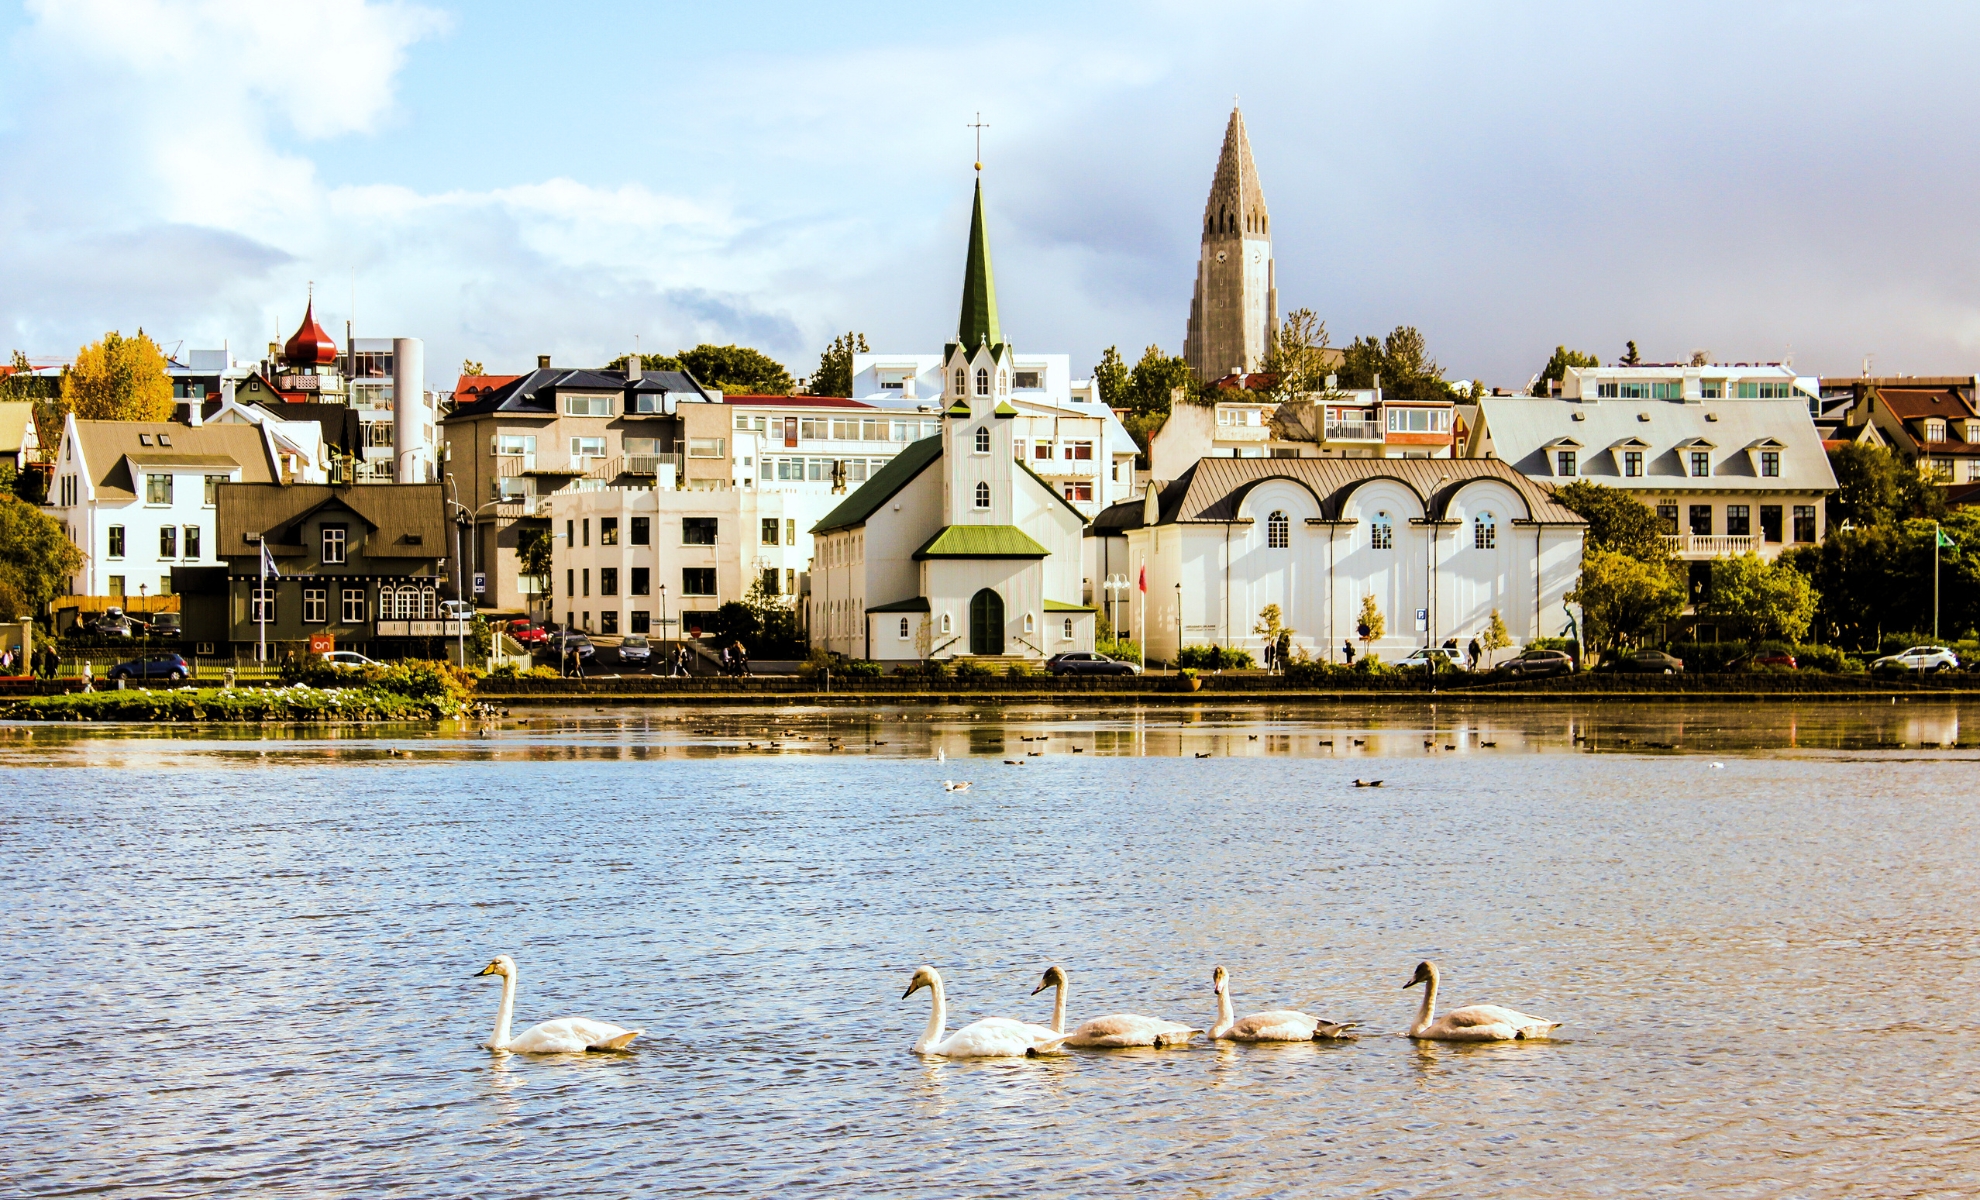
<point x="1428" y="1012"/>
<point x="1059" y="1007"/>
<point x="500" y="1037"/>
<point x="938" y="1017"/>
<point x="1224" y="1018"/>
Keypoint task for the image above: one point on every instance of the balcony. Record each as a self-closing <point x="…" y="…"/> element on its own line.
<point x="515" y="508"/>
<point x="1243" y="433"/>
<point x="1072" y="468"/>
<point x="1710" y="545"/>
<point x="1355" y="431"/>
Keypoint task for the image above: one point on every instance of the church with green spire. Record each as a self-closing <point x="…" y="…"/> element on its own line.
<point x="957" y="548"/>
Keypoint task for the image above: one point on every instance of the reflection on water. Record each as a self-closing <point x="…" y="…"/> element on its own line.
<point x="244" y="965"/>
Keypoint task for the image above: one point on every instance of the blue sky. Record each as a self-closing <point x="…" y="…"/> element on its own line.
<point x="509" y="179"/>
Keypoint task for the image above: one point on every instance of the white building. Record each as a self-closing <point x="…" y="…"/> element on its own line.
<point x="958" y="547"/>
<point x="1336" y="423"/>
<point x="1691" y="382"/>
<point x="1452" y="539"/>
<point x="138" y="497"/>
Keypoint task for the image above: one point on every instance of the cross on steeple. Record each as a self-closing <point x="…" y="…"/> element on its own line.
<point x="979" y="127"/>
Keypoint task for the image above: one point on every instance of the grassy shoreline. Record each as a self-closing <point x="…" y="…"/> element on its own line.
<point x="298" y="704"/>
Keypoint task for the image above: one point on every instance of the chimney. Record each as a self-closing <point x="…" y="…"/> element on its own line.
<point x="543" y="362"/>
<point x="633" y="366"/>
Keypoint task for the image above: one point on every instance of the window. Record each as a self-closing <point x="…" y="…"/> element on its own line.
<point x="116" y="541"/>
<point x="1765" y="391"/>
<point x="1942" y="469"/>
<point x="192" y="541"/>
<point x="945" y="623"/>
<point x="213" y="483"/>
<point x="1278" y="531"/>
<point x="1667" y="516"/>
<point x="1381" y="533"/>
<point x="1770" y="463"/>
<point x="1701" y="520"/>
<point x="1605" y="391"/>
<point x="608" y="581"/>
<point x="353" y="606"/>
<point x="705" y="447"/>
<point x="639" y="620"/>
<point x="904" y="629"/>
<point x="67" y="491"/>
<point x="570" y="533"/>
<point x="1935" y="431"/>
<point x="588" y="406"/>
<point x="1078" y="491"/>
<point x="1701" y="464"/>
<point x="1712" y="389"/>
<point x="982" y="495"/>
<point x="587" y="447"/>
<point x="814" y="428"/>
<point x="157" y="489"/>
<point x="960" y="388"/>
<point x="1027" y="623"/>
<point x="1028" y="379"/>
<point x="117" y="586"/>
<point x="1632" y="463"/>
<point x="1419" y="420"/>
<point x="983" y="440"/>
<point x="570" y="581"/>
<point x="771" y="579"/>
<point x="608" y="531"/>
<point x="333" y="543"/>
<point x="584" y="580"/>
<point x="1804" y="522"/>
<point x="698" y="531"/>
<point x="316" y="605"/>
<point x="1041" y="451"/>
<point x="698" y="581"/>
<point x="1484" y="532"/>
<point x="771" y="527"/>
<point x="168" y="542"/>
<point x="1770" y="522"/>
<point x="1065" y="630"/>
<point x="1739" y="520"/>
<point x="642" y="581"/>
<point x="1667" y="391"/>
<point x="982" y="381"/>
<point x="1563" y="462"/>
<point x="1079" y="451"/>
<point x="790" y="531"/>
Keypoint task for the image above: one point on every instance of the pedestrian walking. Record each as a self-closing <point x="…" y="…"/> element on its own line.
<point x="1472" y="651"/>
<point x="1347" y="648"/>
<point x="1282" y="653"/>
<point x="1271" y="654"/>
<point x="742" y="659"/>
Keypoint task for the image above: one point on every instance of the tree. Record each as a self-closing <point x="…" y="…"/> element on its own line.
<point x="118" y="379"/>
<point x="1701" y="358"/>
<point x="647" y="362"/>
<point x="1875" y="487"/>
<point x="533" y="553"/>
<point x="36" y="556"/>
<point x="1873" y="578"/>
<point x="1111" y="377"/>
<point x="1370" y="619"/>
<point x="834" y="376"/>
<point x="1616" y="520"/>
<point x="21" y="385"/>
<point x="1759" y="599"/>
<point x="1557" y="368"/>
<point x="1299" y="358"/>
<point x="1153" y="382"/>
<point x="1621" y="596"/>
<point x="1271" y="623"/>
<point x="1403" y="362"/>
<point x="470" y="367"/>
<point x="1496" y="638"/>
<point x="738" y="370"/>
<point x="1630" y="357"/>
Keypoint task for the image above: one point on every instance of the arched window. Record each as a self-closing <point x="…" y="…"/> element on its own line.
<point x="983" y="440"/>
<point x="945" y="622"/>
<point x="1066" y="634"/>
<point x="983" y="495"/>
<point x="983" y="381"/>
<point x="1484" y="532"/>
<point x="1381" y="532"/>
<point x="1028" y="624"/>
<point x="1003" y="382"/>
<point x="962" y="383"/>
<point x="1278" y="531"/>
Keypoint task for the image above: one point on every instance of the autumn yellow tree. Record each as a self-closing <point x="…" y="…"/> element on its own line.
<point x="118" y="379"/>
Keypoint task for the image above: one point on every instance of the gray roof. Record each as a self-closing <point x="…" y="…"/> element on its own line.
<point x="1213" y="490"/>
<point x="537" y="391"/>
<point x="1524" y="431"/>
<point x="412" y="515"/>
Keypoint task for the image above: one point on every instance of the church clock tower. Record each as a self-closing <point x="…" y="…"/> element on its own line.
<point x="1236" y="305"/>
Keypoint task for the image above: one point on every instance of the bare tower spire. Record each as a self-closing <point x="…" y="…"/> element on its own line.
<point x="1236" y="304"/>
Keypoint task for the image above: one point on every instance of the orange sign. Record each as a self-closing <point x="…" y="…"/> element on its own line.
<point x="322" y="643"/>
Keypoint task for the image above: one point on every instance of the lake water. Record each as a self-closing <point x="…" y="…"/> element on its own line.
<point x="239" y="966"/>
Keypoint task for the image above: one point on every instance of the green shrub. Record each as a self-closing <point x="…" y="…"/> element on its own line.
<point x="1215" y="658"/>
<point x="860" y="668"/>
<point x="966" y="669"/>
<point x="298" y="702"/>
<point x="1121" y="648"/>
<point x="1824" y="658"/>
<point x="1018" y="671"/>
<point x="543" y="673"/>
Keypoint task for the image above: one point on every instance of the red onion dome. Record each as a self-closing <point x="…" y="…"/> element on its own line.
<point x="309" y="346"/>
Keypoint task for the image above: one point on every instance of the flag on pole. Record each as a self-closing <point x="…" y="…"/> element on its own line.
<point x="1946" y="541"/>
<point x="1144" y="577"/>
<point x="268" y="568"/>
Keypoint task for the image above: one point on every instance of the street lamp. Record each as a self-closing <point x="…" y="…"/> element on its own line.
<point x="664" y="640"/>
<point x="1115" y="585"/>
<point x="1179" y="626"/>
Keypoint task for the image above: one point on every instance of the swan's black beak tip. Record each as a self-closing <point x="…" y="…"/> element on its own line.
<point x="1041" y="987"/>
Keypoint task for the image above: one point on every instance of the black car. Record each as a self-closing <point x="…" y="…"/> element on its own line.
<point x="1532" y="664"/>
<point x="1085" y="662"/>
<point x="165" y="624"/>
<point x="172" y="667"/>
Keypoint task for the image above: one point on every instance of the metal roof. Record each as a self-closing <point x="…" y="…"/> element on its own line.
<point x="1213" y="490"/>
<point x="1521" y="428"/>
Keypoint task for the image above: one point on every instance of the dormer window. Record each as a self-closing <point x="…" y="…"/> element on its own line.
<point x="1973" y="431"/>
<point x="1563" y="462"/>
<point x="1701" y="464"/>
<point x="983" y="381"/>
<point x="1632" y="463"/>
<point x="1770" y="464"/>
<point x="1935" y="430"/>
<point x="165" y="439"/>
<point x="144" y="439"/>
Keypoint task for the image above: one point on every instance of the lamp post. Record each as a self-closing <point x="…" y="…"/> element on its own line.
<point x="664" y="640"/>
<point x="1179" y="625"/>
<point x="1115" y="585"/>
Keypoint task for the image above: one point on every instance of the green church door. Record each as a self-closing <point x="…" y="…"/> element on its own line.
<point x="986" y="623"/>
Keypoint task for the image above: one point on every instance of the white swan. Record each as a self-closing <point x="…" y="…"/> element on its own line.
<point x="570" y="1035"/>
<point x="992" y="1037"/>
<point x="1111" y="1032"/>
<point x="1473" y="1023"/>
<point x="1279" y="1025"/>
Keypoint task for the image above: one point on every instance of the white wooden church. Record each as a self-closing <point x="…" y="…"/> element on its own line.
<point x="956" y="548"/>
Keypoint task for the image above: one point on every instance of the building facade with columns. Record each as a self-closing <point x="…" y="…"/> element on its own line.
<point x="1454" y="540"/>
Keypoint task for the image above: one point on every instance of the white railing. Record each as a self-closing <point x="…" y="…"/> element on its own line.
<point x="420" y="628"/>
<point x="1243" y="433"/>
<point x="1355" y="431"/>
<point x="1709" y="545"/>
<point x="1050" y="467"/>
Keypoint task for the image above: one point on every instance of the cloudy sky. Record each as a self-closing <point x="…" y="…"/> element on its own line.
<point x="508" y="179"/>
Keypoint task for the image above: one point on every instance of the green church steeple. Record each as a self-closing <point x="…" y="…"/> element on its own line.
<point x="979" y="298"/>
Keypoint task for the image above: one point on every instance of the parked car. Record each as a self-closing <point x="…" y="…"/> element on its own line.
<point x="111" y="622"/>
<point x="635" y="649"/>
<point x="568" y="641"/>
<point x="348" y="658"/>
<point x="528" y="635"/>
<point x="1918" y="658"/>
<point x="165" y="624"/>
<point x="451" y="609"/>
<point x="1533" y="664"/>
<point x="1654" y="662"/>
<point x="1763" y="658"/>
<point x="171" y="667"/>
<point x="1443" y="658"/>
<point x="1085" y="662"/>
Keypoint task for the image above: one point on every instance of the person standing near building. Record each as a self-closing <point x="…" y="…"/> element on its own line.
<point x="1347" y="649"/>
<point x="1472" y="651"/>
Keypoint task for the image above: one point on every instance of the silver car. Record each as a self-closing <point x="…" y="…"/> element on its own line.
<point x="635" y="649"/>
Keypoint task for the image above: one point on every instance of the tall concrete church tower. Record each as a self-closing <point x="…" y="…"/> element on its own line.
<point x="1236" y="305"/>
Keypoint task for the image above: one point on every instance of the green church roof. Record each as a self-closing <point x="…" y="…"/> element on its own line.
<point x="981" y="541"/>
<point x="979" y="299"/>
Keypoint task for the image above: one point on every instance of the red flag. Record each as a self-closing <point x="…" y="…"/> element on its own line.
<point x="1144" y="577"/>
